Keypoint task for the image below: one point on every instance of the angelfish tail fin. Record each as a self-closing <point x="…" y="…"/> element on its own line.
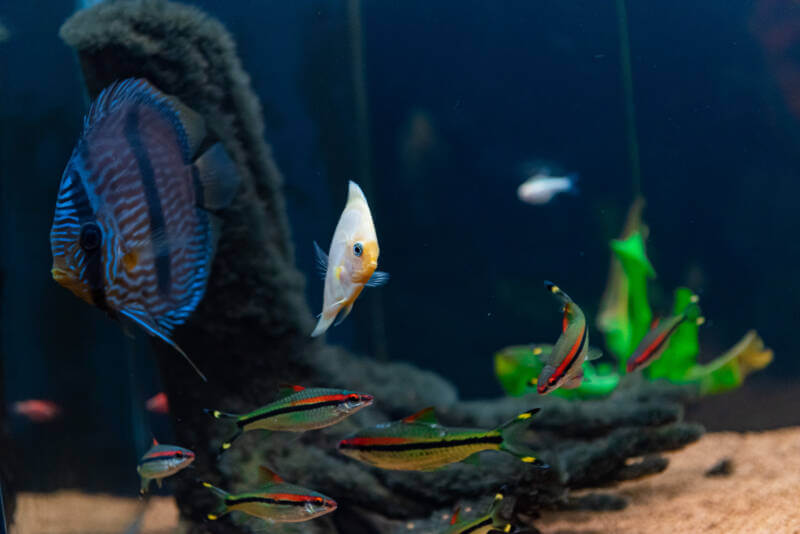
<point x="512" y="442"/>
<point x="221" y="509"/>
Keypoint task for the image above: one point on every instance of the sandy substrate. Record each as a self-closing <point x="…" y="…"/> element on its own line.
<point x="762" y="495"/>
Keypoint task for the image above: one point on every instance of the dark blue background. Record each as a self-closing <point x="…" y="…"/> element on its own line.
<point x="499" y="84"/>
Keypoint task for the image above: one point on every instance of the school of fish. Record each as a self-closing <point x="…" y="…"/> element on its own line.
<point x="134" y="233"/>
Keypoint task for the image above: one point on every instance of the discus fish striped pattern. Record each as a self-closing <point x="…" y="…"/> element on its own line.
<point x="129" y="235"/>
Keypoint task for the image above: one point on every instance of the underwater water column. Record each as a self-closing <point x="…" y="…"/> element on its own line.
<point x="627" y="88"/>
<point x="251" y="332"/>
<point x="377" y="321"/>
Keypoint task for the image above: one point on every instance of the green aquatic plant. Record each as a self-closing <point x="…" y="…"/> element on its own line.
<point x="633" y="325"/>
<point x="729" y="370"/>
<point x="516" y="368"/>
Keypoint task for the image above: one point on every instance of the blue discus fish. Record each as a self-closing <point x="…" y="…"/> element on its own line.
<point x="133" y="231"/>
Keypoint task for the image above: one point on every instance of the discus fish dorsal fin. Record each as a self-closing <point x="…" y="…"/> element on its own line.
<point x="378" y="279"/>
<point x="217" y="178"/>
<point x="284" y="390"/>
<point x="268" y="476"/>
<point x="138" y="90"/>
<point x="428" y="415"/>
<point x="142" y="319"/>
<point x="454" y="519"/>
<point x="321" y="260"/>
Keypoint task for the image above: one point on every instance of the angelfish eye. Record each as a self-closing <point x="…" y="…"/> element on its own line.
<point x="358" y="248"/>
<point x="90" y="236"/>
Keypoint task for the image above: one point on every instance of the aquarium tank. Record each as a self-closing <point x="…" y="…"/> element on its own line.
<point x="377" y="267"/>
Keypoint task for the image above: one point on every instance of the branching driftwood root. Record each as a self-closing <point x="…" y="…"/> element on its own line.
<point x="251" y="332"/>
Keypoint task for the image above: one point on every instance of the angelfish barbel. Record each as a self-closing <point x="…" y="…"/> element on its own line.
<point x="564" y="364"/>
<point x="420" y="443"/>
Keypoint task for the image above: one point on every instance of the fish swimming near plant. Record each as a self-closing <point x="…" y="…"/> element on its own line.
<point x="489" y="523"/>
<point x="274" y="501"/>
<point x="162" y="461"/>
<point x="297" y="409"/>
<point x="420" y="443"/>
<point x="657" y="339"/>
<point x="351" y="262"/>
<point x="37" y="410"/>
<point x="541" y="188"/>
<point x="564" y="364"/>
<point x="134" y="231"/>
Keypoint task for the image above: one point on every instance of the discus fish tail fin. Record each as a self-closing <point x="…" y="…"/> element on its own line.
<point x="512" y="442"/>
<point x="217" y="178"/>
<point x="221" y="509"/>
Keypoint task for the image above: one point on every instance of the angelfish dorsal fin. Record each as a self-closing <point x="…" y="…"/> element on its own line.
<point x="428" y="415"/>
<point x="268" y="476"/>
<point x="454" y="519"/>
<point x="284" y="390"/>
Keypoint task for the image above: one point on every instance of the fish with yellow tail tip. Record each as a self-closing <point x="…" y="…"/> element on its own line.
<point x="351" y="262"/>
<point x="657" y="339"/>
<point x="160" y="462"/>
<point x="564" y="364"/>
<point x="420" y="443"/>
<point x="489" y="523"/>
<point x="275" y="500"/>
<point x="297" y="409"/>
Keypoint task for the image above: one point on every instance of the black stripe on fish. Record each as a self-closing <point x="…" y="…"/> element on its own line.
<point x="424" y="445"/>
<point x="154" y="208"/>
<point x="233" y="501"/>
<point x="94" y="258"/>
<point x="485" y="523"/>
<point x="286" y="409"/>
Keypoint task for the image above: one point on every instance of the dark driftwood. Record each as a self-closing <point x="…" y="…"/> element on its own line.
<point x="251" y="331"/>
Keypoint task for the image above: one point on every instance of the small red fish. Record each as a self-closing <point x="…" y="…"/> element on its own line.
<point x="158" y="403"/>
<point x="37" y="410"/>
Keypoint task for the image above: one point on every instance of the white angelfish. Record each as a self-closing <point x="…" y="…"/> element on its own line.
<point x="351" y="262"/>
<point x="542" y="187"/>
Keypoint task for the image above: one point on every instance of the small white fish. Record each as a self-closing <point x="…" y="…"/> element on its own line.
<point x="541" y="187"/>
<point x="351" y="262"/>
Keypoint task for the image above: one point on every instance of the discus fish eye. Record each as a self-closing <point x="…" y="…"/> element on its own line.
<point x="358" y="248"/>
<point x="90" y="236"/>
